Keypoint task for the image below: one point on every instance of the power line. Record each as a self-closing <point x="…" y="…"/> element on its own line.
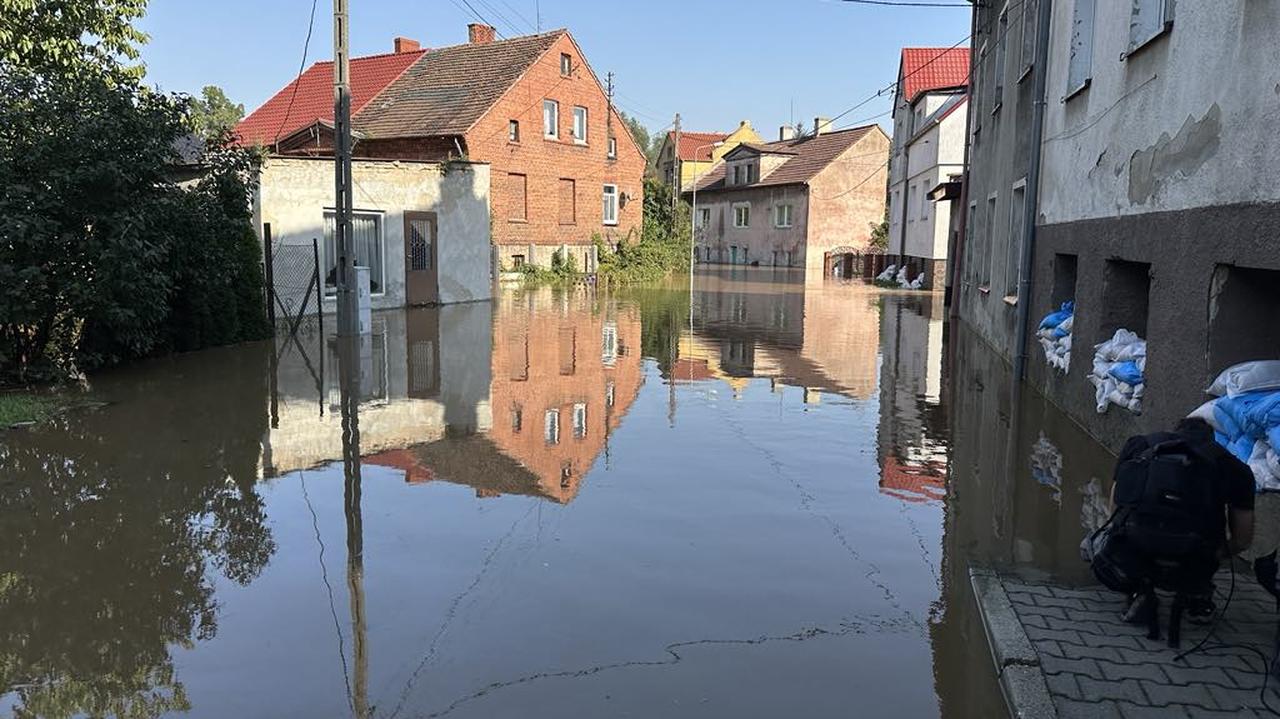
<point x="898" y="3"/>
<point x="302" y="66"/>
<point x="500" y="16"/>
<point x="476" y="14"/>
<point x="520" y="15"/>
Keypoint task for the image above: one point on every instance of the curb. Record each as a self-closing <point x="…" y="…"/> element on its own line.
<point x="1017" y="664"/>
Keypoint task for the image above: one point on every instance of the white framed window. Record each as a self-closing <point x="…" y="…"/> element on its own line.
<point x="609" y="392"/>
<point x="609" y="344"/>
<point x="579" y="420"/>
<point x="612" y="151"/>
<point x="1080" y="64"/>
<point x="551" y="426"/>
<point x="367" y="241"/>
<point x="580" y="125"/>
<point x="550" y="119"/>
<point x="1002" y="43"/>
<point x="782" y="216"/>
<point x="1012" y="263"/>
<point x="1149" y="20"/>
<point x="742" y="214"/>
<point x="513" y="131"/>
<point x="610" y="214"/>
<point x="704" y="217"/>
<point x="566" y="64"/>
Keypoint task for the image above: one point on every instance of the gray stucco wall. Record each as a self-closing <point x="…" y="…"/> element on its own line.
<point x="295" y="192"/>
<point x="761" y="239"/>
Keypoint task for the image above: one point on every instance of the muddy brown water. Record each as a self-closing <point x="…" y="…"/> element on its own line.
<point x="561" y="503"/>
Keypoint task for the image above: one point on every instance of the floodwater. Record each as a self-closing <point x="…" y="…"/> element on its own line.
<point x="760" y="503"/>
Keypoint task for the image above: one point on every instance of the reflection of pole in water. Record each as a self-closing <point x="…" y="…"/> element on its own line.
<point x="349" y="384"/>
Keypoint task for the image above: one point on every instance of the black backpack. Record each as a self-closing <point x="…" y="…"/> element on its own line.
<point x="1167" y="525"/>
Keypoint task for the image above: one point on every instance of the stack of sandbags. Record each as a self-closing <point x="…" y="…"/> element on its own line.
<point x="887" y="274"/>
<point x="1246" y="418"/>
<point x="1055" y="336"/>
<point x="1119" y="367"/>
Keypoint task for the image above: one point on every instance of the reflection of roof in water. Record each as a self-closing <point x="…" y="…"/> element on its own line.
<point x="473" y="461"/>
<point x="913" y="483"/>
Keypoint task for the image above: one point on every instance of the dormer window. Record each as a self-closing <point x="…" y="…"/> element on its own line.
<point x="751" y="173"/>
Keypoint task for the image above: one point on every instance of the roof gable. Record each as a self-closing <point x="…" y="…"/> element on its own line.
<point x="810" y="156"/>
<point x="696" y="146"/>
<point x="449" y="89"/>
<point x="309" y="97"/>
<point x="932" y="68"/>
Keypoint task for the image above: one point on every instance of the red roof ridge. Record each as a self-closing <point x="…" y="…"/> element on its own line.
<point x="530" y="36"/>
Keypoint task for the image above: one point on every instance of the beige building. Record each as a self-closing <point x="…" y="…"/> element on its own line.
<point x="806" y="202"/>
<point x="698" y="152"/>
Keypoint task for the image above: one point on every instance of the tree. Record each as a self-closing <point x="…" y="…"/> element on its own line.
<point x="213" y="113"/>
<point x="880" y="234"/>
<point x="54" y="36"/>
<point x="649" y="144"/>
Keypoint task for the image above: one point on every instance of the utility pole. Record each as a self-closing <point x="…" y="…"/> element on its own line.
<point x="343" y="200"/>
<point x="676" y="167"/>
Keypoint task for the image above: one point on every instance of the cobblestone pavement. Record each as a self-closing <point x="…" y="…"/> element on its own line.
<point x="1095" y="665"/>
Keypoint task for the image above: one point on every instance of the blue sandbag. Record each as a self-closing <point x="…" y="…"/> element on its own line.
<point x="1242" y="448"/>
<point x="1059" y="333"/>
<point x="1128" y="373"/>
<point x="1252" y="413"/>
<point x="1056" y="318"/>
<point x="1273" y="438"/>
<point x="1226" y="419"/>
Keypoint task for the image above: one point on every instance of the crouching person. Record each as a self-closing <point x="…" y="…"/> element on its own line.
<point x="1180" y="504"/>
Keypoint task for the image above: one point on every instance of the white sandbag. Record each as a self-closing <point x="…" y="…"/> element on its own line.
<point x="1273" y="462"/>
<point x="1247" y="377"/>
<point x="887" y="274"/>
<point x="1067" y="324"/>
<point x="1205" y="412"/>
<point x="1264" y="477"/>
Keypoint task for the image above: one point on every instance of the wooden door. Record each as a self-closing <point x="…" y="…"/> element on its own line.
<point x="421" y="254"/>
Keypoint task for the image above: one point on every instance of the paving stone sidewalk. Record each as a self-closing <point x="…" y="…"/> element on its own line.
<point x="1095" y="665"/>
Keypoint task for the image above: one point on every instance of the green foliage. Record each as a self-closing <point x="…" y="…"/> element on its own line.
<point x="649" y="144"/>
<point x="880" y="235"/>
<point x="212" y="114"/>
<point x="19" y="407"/>
<point x="663" y="247"/>
<point x="105" y="257"/>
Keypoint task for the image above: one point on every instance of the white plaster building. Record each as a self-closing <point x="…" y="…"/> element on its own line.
<point x="928" y="147"/>
<point x="422" y="228"/>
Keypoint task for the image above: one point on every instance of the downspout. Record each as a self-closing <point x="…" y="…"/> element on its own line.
<point x="1032" y="201"/>
<point x="956" y="253"/>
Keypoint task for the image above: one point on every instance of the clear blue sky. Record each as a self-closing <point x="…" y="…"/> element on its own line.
<point x="714" y="61"/>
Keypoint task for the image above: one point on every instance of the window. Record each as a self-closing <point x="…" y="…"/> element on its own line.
<point x="517" y="261"/>
<point x="579" y="420"/>
<point x="790" y="258"/>
<point x="610" y="215"/>
<point x="518" y="189"/>
<point x="517" y="419"/>
<point x="609" y="392"/>
<point x="751" y="173"/>
<point x="566" y="64"/>
<point x="1013" y="252"/>
<point x="1244" y="321"/>
<point x="911" y="201"/>
<point x="568" y="350"/>
<point x="704" y="217"/>
<point x="737" y="174"/>
<point x="568" y="201"/>
<point x="1030" y="14"/>
<point x="366" y="239"/>
<point x="1150" y="19"/>
<point x="550" y="119"/>
<point x="1080" y="65"/>
<point x="782" y="216"/>
<point x="612" y="152"/>
<point x="513" y="131"/>
<point x="989" y="246"/>
<point x="924" y="200"/>
<point x="997" y="98"/>
<point x="1126" y="297"/>
<point x="742" y="215"/>
<point x="609" y="344"/>
<point x="551" y="426"/>
<point x="580" y="125"/>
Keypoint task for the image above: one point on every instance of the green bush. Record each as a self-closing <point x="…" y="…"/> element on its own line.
<point x="104" y="257"/>
<point x="662" y="248"/>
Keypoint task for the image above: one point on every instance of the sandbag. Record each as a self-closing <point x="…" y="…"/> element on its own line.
<point x="1247" y="377"/>
<point x="1208" y="413"/>
<point x="1127" y="372"/>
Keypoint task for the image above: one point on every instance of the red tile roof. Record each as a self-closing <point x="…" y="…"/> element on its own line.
<point x="933" y="68"/>
<point x="809" y="156"/>
<point x="314" y="100"/>
<point x="697" y="146"/>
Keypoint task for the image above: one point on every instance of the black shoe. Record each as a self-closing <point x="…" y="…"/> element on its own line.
<point x="1140" y="608"/>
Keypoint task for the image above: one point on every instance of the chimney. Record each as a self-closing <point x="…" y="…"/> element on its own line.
<point x="404" y="44"/>
<point x="821" y="125"/>
<point x="478" y="34"/>
<point x="786" y="132"/>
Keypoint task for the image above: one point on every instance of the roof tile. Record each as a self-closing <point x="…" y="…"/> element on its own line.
<point x="811" y="155"/>
<point x="933" y="68"/>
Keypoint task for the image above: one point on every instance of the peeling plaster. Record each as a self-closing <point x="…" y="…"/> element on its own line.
<point x="1186" y="152"/>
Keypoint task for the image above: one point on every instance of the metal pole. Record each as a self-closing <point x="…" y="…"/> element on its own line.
<point x="269" y="274"/>
<point x="343" y="200"/>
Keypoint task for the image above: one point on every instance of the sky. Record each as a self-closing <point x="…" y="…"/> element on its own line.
<point x="716" y="62"/>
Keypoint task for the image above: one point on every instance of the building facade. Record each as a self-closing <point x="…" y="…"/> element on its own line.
<point x="928" y="147"/>
<point x="564" y="168"/>
<point x="698" y="152"/>
<point x="1156" y="211"/>
<point x="804" y="203"/>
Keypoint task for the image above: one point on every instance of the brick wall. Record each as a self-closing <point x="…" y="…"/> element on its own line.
<point x="545" y="162"/>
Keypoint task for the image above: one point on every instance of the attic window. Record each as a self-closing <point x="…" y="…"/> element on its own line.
<point x="612" y="152"/>
<point x="513" y="131"/>
<point x="566" y="64"/>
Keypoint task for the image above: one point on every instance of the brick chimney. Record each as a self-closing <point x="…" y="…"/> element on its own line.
<point x="478" y="34"/>
<point x="786" y="132"/>
<point x="821" y="125"/>
<point x="404" y="44"/>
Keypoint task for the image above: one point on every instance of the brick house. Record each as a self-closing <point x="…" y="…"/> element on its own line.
<point x="564" y="168"/>
<point x="806" y="202"/>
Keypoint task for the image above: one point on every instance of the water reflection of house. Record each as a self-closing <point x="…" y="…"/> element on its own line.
<point x="417" y="377"/>
<point x="768" y="323"/>
<point x="566" y="367"/>
<point x="912" y="439"/>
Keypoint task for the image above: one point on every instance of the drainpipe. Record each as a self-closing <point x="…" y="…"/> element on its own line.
<point x="1032" y="201"/>
<point x="956" y="253"/>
